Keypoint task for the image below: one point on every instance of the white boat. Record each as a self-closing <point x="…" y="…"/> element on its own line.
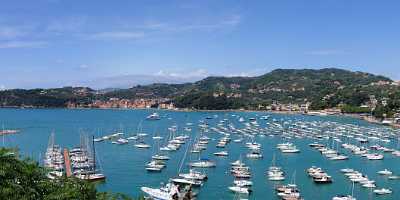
<point x="122" y="141"/>
<point x="242" y="183"/>
<point x="375" y="156"/>
<point x="254" y="155"/>
<point x="237" y="163"/>
<point x="160" y="157"/>
<point x="382" y="191"/>
<point x="204" y="163"/>
<point x="241" y="190"/>
<point x="153" y="116"/>
<point x="98" y="139"/>
<point x="347" y="170"/>
<point x="343" y="197"/>
<point x="164" y="193"/>
<point x="385" y="172"/>
<point x="194" y="175"/>
<point x="221" y="153"/>
<point x="187" y="181"/>
<point x="142" y="146"/>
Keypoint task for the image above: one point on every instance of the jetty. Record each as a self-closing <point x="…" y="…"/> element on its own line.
<point x="67" y="162"/>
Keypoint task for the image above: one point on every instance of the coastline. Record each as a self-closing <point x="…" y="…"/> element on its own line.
<point x="311" y="113"/>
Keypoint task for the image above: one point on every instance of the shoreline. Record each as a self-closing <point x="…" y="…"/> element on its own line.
<point x="314" y="112"/>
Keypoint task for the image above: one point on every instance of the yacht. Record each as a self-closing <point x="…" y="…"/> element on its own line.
<point x="243" y="183"/>
<point x="221" y="153"/>
<point x="160" y="157"/>
<point x="241" y="190"/>
<point x="142" y="145"/>
<point x="254" y="155"/>
<point x="194" y="175"/>
<point x="153" y="116"/>
<point x="168" y="192"/>
<point x="385" y="172"/>
<point x="343" y="197"/>
<point x="382" y="191"/>
<point x="203" y="163"/>
<point x="375" y="156"/>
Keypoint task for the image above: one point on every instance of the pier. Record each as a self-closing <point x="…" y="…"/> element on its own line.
<point x="67" y="162"/>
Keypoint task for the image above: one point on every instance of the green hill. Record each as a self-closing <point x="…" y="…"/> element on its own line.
<point x="323" y="88"/>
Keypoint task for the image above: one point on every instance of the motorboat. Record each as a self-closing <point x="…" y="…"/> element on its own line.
<point x="153" y="116"/>
<point x="203" y="163"/>
<point x="241" y="190"/>
<point x="221" y="153"/>
<point x="385" y="172"/>
<point x="382" y="191"/>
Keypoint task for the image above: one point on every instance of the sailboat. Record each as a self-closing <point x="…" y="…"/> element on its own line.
<point x="88" y="168"/>
<point x="345" y="197"/>
<point x="275" y="173"/>
<point x="158" y="155"/>
<point x="174" y="189"/>
<point x="54" y="159"/>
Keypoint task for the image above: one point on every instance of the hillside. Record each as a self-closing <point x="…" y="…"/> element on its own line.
<point x="55" y="97"/>
<point x="323" y="88"/>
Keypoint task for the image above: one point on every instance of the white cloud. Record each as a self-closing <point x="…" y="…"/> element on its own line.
<point x="2" y="87"/>
<point x="232" y="20"/>
<point x="83" y="66"/>
<point x="22" y="44"/>
<point x="7" y="32"/>
<point x="198" y="73"/>
<point x="117" y="35"/>
<point x="325" y="52"/>
<point x="192" y="25"/>
<point x="71" y="24"/>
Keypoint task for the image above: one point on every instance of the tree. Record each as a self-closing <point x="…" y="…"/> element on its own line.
<point x="26" y="180"/>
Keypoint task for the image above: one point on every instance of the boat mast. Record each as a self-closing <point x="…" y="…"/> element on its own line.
<point x="94" y="155"/>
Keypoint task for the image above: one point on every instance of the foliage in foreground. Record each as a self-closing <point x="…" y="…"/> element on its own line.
<point x="25" y="180"/>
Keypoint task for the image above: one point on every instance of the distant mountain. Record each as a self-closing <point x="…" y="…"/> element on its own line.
<point x="128" y="81"/>
<point x="323" y="88"/>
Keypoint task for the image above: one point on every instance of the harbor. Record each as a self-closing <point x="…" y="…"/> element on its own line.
<point x="215" y="155"/>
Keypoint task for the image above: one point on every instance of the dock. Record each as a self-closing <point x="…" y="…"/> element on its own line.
<point x="67" y="163"/>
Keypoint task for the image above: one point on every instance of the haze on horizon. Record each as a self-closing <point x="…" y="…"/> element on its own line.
<point x="101" y="44"/>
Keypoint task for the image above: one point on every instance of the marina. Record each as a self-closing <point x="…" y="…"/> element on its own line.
<point x="213" y="155"/>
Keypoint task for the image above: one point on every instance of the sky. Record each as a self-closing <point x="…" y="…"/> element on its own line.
<point x="55" y="43"/>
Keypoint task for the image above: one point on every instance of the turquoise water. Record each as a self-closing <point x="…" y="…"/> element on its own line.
<point x="124" y="164"/>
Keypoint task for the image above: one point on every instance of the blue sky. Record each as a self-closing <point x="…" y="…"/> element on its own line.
<point x="53" y="43"/>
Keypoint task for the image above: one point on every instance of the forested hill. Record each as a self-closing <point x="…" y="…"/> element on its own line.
<point x="323" y="88"/>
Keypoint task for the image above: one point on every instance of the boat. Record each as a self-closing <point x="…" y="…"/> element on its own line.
<point x="54" y="160"/>
<point x="142" y="145"/>
<point x="160" y="157"/>
<point x="193" y="174"/>
<point x="122" y="141"/>
<point x="343" y="197"/>
<point x="385" y="172"/>
<point x="153" y="116"/>
<point x="187" y="181"/>
<point x="375" y="156"/>
<point x="168" y="192"/>
<point x="84" y="162"/>
<point x="254" y="155"/>
<point x="346" y="197"/>
<point x="203" y="163"/>
<point x="241" y="190"/>
<point x="382" y="191"/>
<point x="221" y="153"/>
<point x="243" y="183"/>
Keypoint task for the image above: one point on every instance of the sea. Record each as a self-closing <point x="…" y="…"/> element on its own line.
<point x="124" y="165"/>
